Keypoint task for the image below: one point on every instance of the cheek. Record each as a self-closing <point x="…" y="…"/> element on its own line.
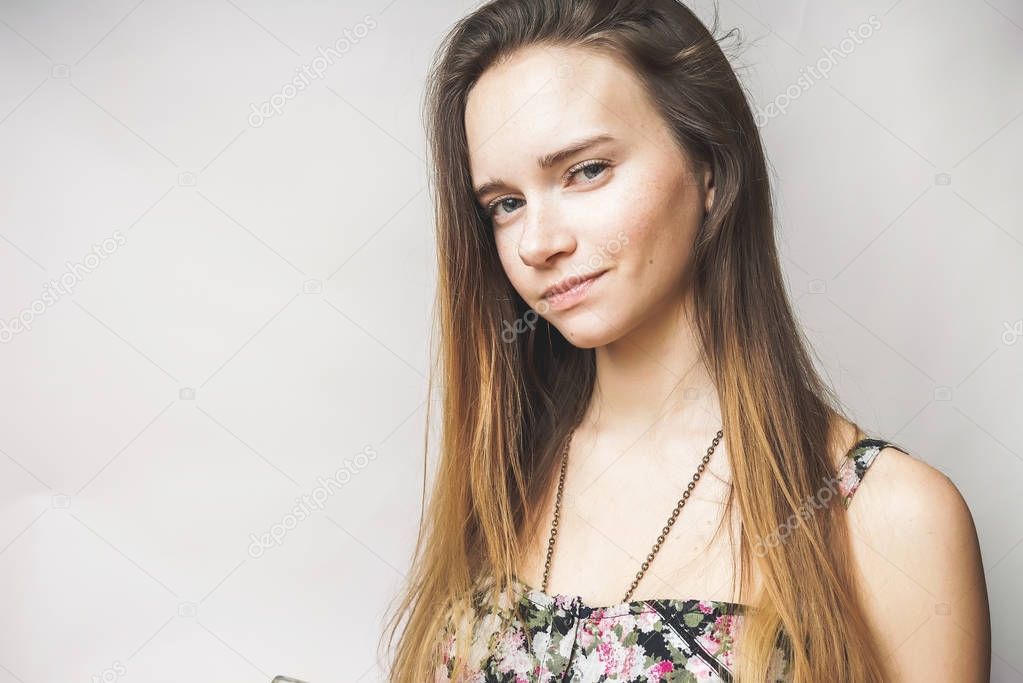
<point x="514" y="268"/>
<point x="653" y="218"/>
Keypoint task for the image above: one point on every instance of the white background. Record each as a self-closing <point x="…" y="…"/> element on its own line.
<point x="267" y="317"/>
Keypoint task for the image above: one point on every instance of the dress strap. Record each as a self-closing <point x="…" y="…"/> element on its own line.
<point x="856" y="462"/>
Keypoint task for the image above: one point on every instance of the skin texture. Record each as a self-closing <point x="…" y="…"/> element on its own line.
<point x="648" y="201"/>
<point x="920" y="571"/>
<point x="655" y="409"/>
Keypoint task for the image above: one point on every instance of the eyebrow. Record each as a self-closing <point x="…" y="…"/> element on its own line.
<point x="549" y="160"/>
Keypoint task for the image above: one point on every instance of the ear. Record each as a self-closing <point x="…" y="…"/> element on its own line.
<point x="708" y="187"/>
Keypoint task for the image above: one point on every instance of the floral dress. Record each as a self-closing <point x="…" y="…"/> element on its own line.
<point x="665" y="640"/>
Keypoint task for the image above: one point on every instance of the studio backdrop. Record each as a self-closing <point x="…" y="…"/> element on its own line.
<point x="217" y="266"/>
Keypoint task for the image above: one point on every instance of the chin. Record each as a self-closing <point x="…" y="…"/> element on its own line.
<point x="586" y="331"/>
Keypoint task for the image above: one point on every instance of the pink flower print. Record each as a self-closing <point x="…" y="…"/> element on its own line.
<point x="596" y="629"/>
<point x="513" y="656"/>
<point x="563" y="601"/>
<point x="585" y="638"/>
<point x="727" y="625"/>
<point x="727" y="657"/>
<point x="699" y="669"/>
<point x="709" y="643"/>
<point x="605" y="629"/>
<point x="659" y="671"/>
<point x="542" y="674"/>
<point x="589" y="632"/>
<point x="511" y="640"/>
<point x="706" y="607"/>
<point x="607" y="653"/>
<point x="448" y="648"/>
<point x="848" y="480"/>
<point x="518" y="663"/>
<point x="619" y="662"/>
<point x="631" y="665"/>
<point x="646" y="619"/>
<point x="724" y="630"/>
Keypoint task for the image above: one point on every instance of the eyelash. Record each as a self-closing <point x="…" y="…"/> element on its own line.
<point x="568" y="174"/>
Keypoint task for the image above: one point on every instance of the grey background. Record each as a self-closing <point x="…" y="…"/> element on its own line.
<point x="268" y="315"/>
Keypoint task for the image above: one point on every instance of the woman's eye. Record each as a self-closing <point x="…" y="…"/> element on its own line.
<point x="591" y="170"/>
<point x="598" y="166"/>
<point x="491" y="208"/>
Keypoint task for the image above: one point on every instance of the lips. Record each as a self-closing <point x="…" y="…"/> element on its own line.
<point x="568" y="283"/>
<point x="562" y="298"/>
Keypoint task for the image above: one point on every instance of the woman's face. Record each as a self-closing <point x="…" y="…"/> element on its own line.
<point x="625" y="207"/>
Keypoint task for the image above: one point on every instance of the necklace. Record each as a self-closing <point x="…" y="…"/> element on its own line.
<point x="664" y="532"/>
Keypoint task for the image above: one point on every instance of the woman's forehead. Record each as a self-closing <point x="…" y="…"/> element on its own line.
<point x="536" y="101"/>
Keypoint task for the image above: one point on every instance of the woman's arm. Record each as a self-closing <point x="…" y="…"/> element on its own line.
<point x="920" y="572"/>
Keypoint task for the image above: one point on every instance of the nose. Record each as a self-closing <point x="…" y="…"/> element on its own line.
<point x="544" y="235"/>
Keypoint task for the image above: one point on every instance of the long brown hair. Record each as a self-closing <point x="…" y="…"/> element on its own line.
<point x="508" y="407"/>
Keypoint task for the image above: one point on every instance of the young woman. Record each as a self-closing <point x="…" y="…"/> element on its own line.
<point x="642" y="477"/>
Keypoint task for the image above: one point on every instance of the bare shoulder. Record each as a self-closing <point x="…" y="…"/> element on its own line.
<point x="900" y="487"/>
<point x="919" y="569"/>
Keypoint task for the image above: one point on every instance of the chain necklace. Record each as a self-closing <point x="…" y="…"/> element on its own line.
<point x="664" y="532"/>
